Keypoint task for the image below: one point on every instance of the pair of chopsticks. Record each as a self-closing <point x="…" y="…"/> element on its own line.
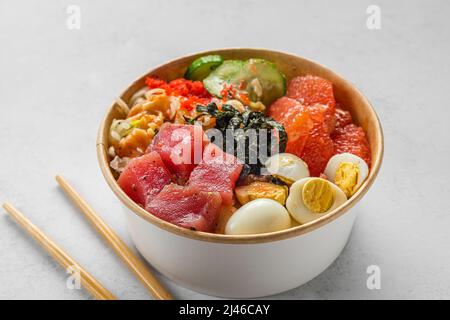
<point x="120" y="248"/>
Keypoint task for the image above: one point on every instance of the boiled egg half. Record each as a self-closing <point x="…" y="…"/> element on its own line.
<point x="258" y="216"/>
<point x="287" y="167"/>
<point x="311" y="198"/>
<point x="347" y="171"/>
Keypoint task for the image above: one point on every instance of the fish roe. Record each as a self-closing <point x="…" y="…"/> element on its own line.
<point x="193" y="91"/>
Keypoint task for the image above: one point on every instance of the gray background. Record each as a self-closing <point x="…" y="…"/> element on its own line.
<point x="55" y="85"/>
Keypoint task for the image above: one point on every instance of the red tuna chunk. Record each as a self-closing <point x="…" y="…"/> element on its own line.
<point x="180" y="147"/>
<point x="187" y="207"/>
<point x="217" y="172"/>
<point x="144" y="177"/>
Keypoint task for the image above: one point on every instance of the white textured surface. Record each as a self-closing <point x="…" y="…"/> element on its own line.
<point x="55" y="85"/>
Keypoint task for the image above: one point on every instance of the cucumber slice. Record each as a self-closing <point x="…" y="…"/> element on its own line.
<point x="200" y="68"/>
<point x="258" y="77"/>
<point x="270" y="84"/>
<point x="229" y="72"/>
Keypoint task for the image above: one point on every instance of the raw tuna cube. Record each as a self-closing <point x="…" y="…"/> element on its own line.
<point x="217" y="172"/>
<point x="144" y="177"/>
<point x="187" y="207"/>
<point x="180" y="147"/>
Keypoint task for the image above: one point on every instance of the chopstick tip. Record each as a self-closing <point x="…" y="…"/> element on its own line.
<point x="59" y="178"/>
<point x="6" y="205"/>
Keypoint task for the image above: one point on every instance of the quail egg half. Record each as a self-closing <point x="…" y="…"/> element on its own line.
<point x="258" y="216"/>
<point x="311" y="198"/>
<point x="287" y="167"/>
<point x="347" y="171"/>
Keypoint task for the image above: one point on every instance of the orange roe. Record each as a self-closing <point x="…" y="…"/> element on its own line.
<point x="154" y="83"/>
<point x="228" y="92"/>
<point x="192" y="92"/>
<point x="244" y="98"/>
<point x="191" y="102"/>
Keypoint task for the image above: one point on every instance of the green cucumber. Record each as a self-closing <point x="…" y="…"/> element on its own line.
<point x="258" y="77"/>
<point x="201" y="67"/>
<point x="229" y="72"/>
<point x="272" y="81"/>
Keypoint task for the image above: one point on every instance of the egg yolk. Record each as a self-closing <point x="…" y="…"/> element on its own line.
<point x="318" y="195"/>
<point x="347" y="176"/>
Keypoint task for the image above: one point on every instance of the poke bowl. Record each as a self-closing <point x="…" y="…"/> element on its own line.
<point x="230" y="228"/>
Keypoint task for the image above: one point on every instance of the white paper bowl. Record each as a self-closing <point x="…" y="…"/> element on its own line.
<point x="253" y="265"/>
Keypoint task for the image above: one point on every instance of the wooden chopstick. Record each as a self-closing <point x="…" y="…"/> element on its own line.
<point x="87" y="281"/>
<point x="120" y="248"/>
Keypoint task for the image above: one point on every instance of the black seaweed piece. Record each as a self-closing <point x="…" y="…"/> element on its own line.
<point x="230" y="118"/>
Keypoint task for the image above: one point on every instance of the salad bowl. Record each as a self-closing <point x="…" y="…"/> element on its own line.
<point x="245" y="266"/>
